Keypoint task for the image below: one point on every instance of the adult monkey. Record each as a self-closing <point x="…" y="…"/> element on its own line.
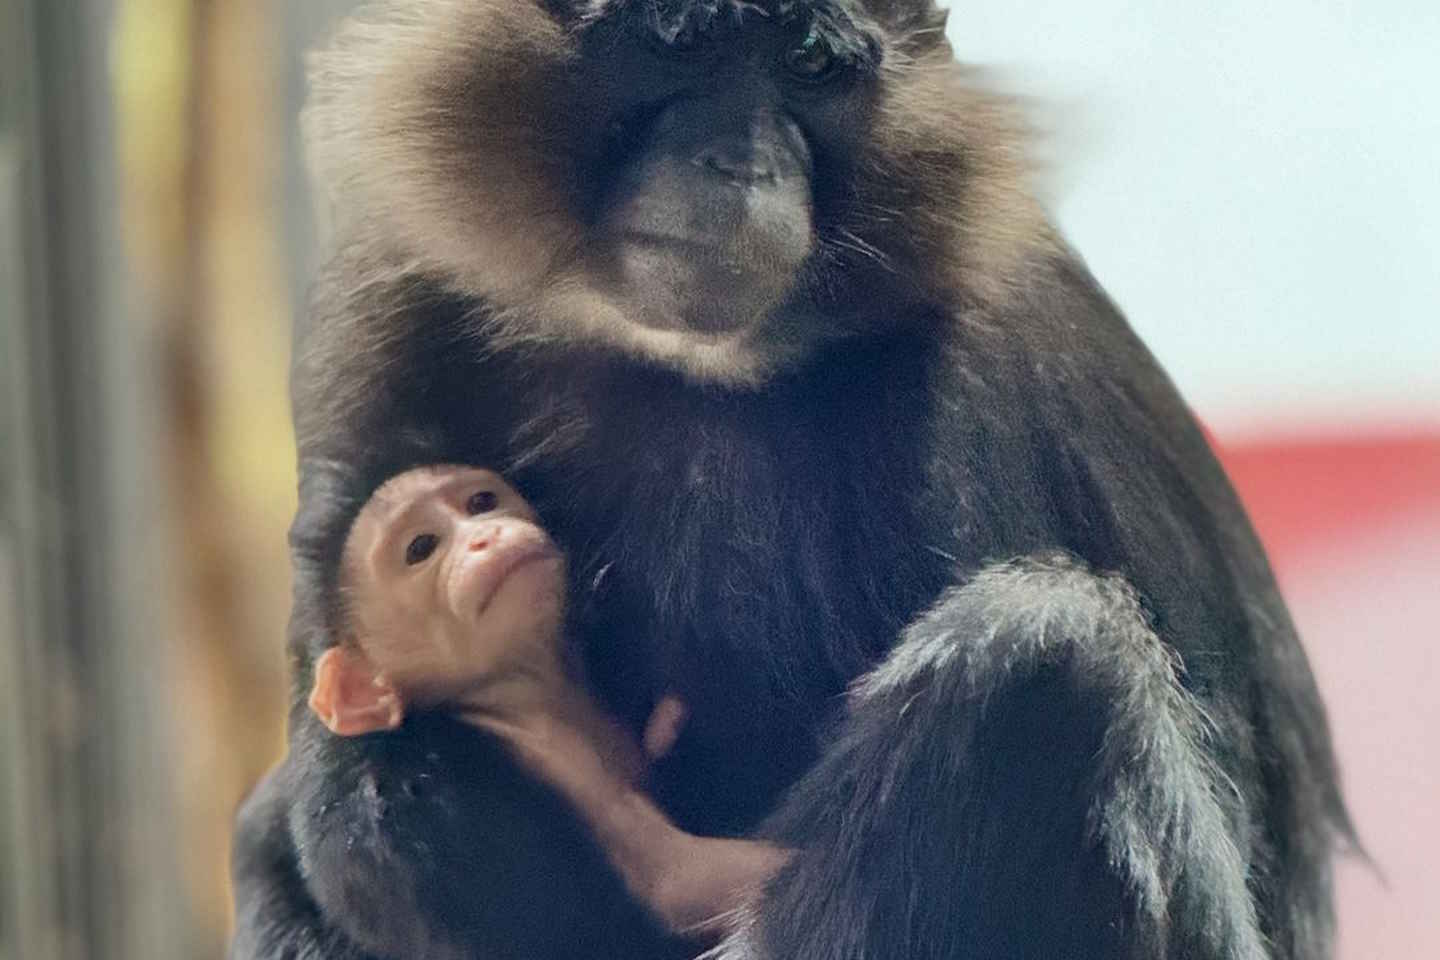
<point x="751" y="301"/>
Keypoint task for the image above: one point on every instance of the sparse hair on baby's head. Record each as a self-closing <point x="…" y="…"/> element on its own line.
<point x="389" y="496"/>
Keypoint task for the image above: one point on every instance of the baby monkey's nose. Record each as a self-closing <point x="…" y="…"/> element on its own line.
<point x="486" y="536"/>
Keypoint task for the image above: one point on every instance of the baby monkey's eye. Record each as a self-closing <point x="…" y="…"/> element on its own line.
<point x="482" y="502"/>
<point x="421" y="548"/>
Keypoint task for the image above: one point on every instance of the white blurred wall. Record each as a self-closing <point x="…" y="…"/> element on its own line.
<point x="1258" y="185"/>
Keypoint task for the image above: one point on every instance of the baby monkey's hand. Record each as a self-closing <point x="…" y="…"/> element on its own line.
<point x="664" y="726"/>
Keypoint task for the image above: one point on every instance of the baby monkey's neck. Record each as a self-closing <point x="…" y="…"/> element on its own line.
<point x="544" y="706"/>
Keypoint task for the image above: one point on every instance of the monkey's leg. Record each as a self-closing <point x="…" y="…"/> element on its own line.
<point x="1024" y="777"/>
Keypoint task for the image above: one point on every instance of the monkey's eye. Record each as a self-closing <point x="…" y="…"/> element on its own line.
<point x="482" y="502"/>
<point x="420" y="549"/>
<point x="812" y="59"/>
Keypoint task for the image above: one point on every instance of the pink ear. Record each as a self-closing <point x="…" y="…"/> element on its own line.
<point x="350" y="697"/>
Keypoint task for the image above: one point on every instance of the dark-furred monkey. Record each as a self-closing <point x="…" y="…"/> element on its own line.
<point x="846" y="449"/>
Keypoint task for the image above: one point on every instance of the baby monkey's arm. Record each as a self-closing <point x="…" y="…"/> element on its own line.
<point x="694" y="885"/>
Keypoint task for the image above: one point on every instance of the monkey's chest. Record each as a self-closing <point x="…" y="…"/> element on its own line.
<point x="750" y="552"/>
<point x="752" y="580"/>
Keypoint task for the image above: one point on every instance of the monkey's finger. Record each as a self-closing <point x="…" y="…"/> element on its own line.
<point x="664" y="726"/>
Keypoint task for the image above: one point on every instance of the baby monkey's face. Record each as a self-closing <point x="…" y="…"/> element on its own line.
<point x="452" y="580"/>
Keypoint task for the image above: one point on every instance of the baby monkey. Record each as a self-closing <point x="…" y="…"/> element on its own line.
<point x="456" y="602"/>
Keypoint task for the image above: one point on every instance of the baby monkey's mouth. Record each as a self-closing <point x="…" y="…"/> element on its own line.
<point x="479" y="574"/>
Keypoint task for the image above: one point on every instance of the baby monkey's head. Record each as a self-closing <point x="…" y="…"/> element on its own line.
<point x="450" y="585"/>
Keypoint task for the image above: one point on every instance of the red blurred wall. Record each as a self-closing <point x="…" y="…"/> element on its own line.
<point x="1352" y="524"/>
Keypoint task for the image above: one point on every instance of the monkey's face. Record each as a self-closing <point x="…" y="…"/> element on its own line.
<point x="705" y="208"/>
<point x="452" y="582"/>
<point x="715" y="185"/>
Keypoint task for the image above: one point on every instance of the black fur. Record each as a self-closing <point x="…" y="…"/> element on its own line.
<point x="961" y="604"/>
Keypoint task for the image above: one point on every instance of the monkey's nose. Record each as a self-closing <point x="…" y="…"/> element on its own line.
<point x="490" y="534"/>
<point x="736" y="160"/>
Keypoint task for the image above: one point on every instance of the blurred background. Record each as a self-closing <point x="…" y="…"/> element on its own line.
<point x="1258" y="188"/>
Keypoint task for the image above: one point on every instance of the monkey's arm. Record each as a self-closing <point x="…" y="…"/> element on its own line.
<point x="274" y="914"/>
<point x="432" y="842"/>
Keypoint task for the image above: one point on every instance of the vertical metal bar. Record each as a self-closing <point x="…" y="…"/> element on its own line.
<point x="35" y="822"/>
<point x="305" y="24"/>
<point x="87" y="780"/>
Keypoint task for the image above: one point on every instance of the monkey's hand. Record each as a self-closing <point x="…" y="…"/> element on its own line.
<point x="664" y="726"/>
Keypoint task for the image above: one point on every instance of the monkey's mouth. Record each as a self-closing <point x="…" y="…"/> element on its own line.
<point x="477" y="578"/>
<point x="684" y="280"/>
<point x="680" y="244"/>
<point x="687" y="253"/>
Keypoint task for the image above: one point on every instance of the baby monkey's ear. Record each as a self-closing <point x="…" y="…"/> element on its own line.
<point x="351" y="697"/>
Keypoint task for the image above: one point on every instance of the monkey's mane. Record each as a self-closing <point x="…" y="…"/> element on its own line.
<point x="450" y="132"/>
